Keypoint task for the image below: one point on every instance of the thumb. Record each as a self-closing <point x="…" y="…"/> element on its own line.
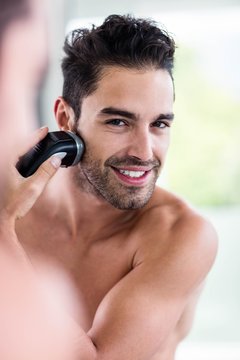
<point x="47" y="169"/>
<point x="34" y="185"/>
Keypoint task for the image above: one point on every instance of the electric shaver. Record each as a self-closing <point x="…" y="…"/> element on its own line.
<point x="55" y="142"/>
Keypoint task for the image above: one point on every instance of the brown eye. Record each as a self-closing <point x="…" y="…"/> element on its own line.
<point x="116" y="122"/>
<point x="160" y="124"/>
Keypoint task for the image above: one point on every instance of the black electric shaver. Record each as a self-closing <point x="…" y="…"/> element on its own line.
<point x="55" y="142"/>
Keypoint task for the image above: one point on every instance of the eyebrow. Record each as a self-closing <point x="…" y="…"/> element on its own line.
<point x="130" y="115"/>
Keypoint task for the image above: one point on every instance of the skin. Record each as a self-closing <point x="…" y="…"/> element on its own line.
<point x="20" y="77"/>
<point x="30" y="328"/>
<point x="132" y="277"/>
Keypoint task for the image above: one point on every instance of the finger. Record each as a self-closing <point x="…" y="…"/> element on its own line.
<point x="24" y="146"/>
<point x="22" y="149"/>
<point x="42" y="176"/>
<point x="48" y="168"/>
<point x="33" y="186"/>
<point x="37" y="136"/>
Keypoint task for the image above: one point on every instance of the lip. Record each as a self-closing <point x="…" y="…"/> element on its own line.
<point x="130" y="181"/>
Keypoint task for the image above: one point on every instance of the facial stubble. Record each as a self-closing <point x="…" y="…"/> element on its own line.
<point x="91" y="178"/>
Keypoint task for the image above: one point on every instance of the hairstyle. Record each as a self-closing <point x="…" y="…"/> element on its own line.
<point x="120" y="41"/>
<point x="11" y="10"/>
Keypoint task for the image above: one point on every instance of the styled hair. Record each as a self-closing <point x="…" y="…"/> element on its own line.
<point x="120" y="41"/>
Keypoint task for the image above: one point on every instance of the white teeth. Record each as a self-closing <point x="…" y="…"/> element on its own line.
<point x="134" y="174"/>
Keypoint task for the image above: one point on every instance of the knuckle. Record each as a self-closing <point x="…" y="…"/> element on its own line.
<point x="33" y="189"/>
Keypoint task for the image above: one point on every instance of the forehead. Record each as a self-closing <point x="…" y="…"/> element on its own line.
<point x="119" y="79"/>
<point x="132" y="89"/>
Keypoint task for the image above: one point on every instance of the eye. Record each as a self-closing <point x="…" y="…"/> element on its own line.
<point x="116" y="122"/>
<point x="160" y="124"/>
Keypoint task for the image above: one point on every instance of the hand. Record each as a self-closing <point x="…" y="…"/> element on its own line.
<point x="24" y="304"/>
<point x="21" y="193"/>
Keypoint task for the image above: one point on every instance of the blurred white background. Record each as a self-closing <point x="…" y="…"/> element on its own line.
<point x="204" y="160"/>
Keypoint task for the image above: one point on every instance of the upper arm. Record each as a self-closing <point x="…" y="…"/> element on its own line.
<point x="136" y="317"/>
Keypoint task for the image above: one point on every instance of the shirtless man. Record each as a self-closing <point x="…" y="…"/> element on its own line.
<point x="134" y="255"/>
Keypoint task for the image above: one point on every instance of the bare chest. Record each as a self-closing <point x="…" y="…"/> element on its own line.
<point x="76" y="274"/>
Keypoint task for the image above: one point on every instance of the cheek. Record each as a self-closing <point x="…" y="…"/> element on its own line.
<point x="161" y="146"/>
<point x="165" y="144"/>
<point x="93" y="153"/>
<point x="99" y="147"/>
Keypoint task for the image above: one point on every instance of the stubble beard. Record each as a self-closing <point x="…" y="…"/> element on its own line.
<point x="90" y="178"/>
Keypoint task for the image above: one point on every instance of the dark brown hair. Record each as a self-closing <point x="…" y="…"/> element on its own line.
<point x="120" y="41"/>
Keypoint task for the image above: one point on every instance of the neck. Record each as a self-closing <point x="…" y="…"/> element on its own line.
<point x="84" y="212"/>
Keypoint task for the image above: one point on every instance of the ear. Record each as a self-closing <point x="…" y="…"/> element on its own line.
<point x="64" y="115"/>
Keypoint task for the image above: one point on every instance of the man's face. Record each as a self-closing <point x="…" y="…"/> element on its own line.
<point x="125" y="124"/>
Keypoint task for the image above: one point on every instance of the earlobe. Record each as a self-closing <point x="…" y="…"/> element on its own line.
<point x="63" y="114"/>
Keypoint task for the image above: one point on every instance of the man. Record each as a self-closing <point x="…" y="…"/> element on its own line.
<point x="134" y="255"/>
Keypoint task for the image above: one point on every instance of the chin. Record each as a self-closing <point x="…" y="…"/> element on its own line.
<point x="129" y="202"/>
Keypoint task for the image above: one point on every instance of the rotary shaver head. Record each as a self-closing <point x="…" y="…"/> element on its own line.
<point x="55" y="142"/>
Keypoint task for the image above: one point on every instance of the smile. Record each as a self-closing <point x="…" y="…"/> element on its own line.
<point x="132" y="177"/>
<point x="132" y="174"/>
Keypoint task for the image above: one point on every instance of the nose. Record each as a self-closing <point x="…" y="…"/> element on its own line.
<point x="141" y="145"/>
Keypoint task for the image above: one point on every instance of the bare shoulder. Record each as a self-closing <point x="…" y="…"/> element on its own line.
<point x="170" y="214"/>
<point x="174" y="232"/>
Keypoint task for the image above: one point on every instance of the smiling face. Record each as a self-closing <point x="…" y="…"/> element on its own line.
<point x="125" y="124"/>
